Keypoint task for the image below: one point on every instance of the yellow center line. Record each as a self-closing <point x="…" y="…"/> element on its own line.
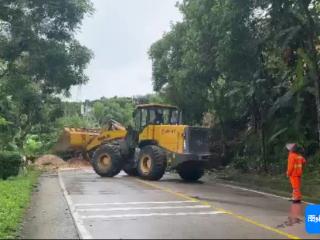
<point x="241" y="217"/>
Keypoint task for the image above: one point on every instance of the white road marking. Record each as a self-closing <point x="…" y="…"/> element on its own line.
<point x="129" y="203"/>
<point x="262" y="193"/>
<point x="139" y="208"/>
<point x="254" y="191"/>
<point x="251" y="190"/>
<point x="151" y="215"/>
<point x="83" y="232"/>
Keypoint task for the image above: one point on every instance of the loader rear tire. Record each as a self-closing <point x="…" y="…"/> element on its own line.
<point x="190" y="171"/>
<point x="107" y="161"/>
<point x="152" y="163"/>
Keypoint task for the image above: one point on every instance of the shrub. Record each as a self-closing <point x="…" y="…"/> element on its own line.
<point x="32" y="146"/>
<point x="9" y="164"/>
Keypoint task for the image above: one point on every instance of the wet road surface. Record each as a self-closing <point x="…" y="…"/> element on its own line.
<point x="126" y="207"/>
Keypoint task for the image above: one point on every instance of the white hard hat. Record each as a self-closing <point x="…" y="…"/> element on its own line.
<point x="290" y="146"/>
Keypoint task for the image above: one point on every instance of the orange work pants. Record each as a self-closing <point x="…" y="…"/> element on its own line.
<point x="296" y="186"/>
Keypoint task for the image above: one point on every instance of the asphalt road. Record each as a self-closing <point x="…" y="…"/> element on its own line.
<point x="126" y="207"/>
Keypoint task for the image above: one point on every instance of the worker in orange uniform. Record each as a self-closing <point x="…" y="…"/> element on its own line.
<point x="294" y="171"/>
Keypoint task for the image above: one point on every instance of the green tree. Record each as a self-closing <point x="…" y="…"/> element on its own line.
<point x="119" y="109"/>
<point x="39" y="57"/>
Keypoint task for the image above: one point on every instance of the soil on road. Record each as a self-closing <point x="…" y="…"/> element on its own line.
<point x="126" y="207"/>
<point x="48" y="215"/>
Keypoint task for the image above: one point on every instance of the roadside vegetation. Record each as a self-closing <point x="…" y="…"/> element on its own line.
<point x="249" y="70"/>
<point x="40" y="59"/>
<point x="14" y="198"/>
<point x="272" y="183"/>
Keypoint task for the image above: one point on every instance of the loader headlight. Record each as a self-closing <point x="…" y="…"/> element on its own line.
<point x="184" y="145"/>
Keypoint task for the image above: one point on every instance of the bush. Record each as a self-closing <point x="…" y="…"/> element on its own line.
<point x="9" y="164"/>
<point x="32" y="146"/>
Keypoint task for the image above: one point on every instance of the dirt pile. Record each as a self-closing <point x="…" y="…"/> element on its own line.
<point x="52" y="162"/>
<point x="49" y="162"/>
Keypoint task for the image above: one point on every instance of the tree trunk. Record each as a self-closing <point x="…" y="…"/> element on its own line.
<point x="223" y="141"/>
<point x="263" y="150"/>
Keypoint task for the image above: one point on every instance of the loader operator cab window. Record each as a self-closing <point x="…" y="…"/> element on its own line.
<point x="164" y="116"/>
<point x="140" y="119"/>
<point x="174" y="119"/>
<point x="137" y="120"/>
<point x="156" y="116"/>
<point x="144" y="118"/>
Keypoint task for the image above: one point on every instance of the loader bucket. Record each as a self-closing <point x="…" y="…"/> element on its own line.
<point x="73" y="139"/>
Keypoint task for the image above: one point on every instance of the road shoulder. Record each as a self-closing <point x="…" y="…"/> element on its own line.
<point x="278" y="186"/>
<point x="48" y="215"/>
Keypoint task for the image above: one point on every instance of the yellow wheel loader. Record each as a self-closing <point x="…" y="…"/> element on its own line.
<point x="157" y="142"/>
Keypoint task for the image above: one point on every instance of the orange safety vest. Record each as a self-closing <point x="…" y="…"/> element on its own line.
<point x="295" y="165"/>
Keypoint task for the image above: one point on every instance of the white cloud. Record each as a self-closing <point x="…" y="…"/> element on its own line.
<point x="120" y="33"/>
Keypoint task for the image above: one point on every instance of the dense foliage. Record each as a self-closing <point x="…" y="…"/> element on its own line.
<point x="250" y="69"/>
<point x="10" y="163"/>
<point x="39" y="58"/>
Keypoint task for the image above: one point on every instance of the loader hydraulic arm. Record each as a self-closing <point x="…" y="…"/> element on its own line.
<point x="105" y="136"/>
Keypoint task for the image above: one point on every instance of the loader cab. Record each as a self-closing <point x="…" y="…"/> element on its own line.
<point x="156" y="114"/>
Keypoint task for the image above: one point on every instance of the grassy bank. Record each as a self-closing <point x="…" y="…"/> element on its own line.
<point x="14" y="198"/>
<point x="276" y="184"/>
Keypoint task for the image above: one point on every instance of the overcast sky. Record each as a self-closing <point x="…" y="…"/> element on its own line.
<point x="120" y="33"/>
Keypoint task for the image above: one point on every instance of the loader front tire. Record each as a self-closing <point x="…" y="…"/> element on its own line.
<point x="152" y="163"/>
<point x="107" y="161"/>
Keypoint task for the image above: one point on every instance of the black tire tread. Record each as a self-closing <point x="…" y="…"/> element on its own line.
<point x="114" y="152"/>
<point x="191" y="172"/>
<point x="159" y="162"/>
